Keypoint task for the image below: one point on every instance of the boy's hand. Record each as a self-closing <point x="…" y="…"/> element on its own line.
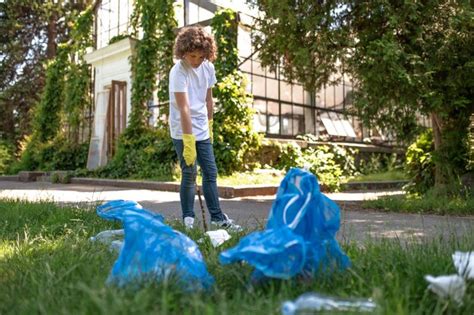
<point x="211" y="133"/>
<point x="189" y="149"/>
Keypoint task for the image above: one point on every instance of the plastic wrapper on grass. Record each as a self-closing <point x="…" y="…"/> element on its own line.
<point x="300" y="234"/>
<point x="153" y="250"/>
<point x="452" y="286"/>
<point x="218" y="237"/>
<point x="311" y="302"/>
<point x="464" y="263"/>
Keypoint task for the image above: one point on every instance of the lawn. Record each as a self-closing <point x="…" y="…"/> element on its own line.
<point x="428" y="204"/>
<point x="49" y="266"/>
<point x="256" y="177"/>
<point x="377" y="177"/>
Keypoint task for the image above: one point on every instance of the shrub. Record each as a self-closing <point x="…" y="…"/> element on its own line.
<point x="343" y="156"/>
<point x="419" y="164"/>
<point x="57" y="154"/>
<point x="147" y="155"/>
<point x="319" y="160"/>
<point x="6" y="156"/>
<point x="378" y="162"/>
<point x="235" y="142"/>
<point x="61" y="154"/>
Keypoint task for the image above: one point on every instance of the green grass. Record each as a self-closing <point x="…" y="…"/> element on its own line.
<point x="237" y="179"/>
<point x="430" y="204"/>
<point x="376" y="177"/>
<point x="247" y="178"/>
<point x="252" y="178"/>
<point x="48" y="266"/>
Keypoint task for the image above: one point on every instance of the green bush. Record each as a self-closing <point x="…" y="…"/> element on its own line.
<point x="28" y="152"/>
<point x="318" y="160"/>
<point x="344" y="157"/>
<point x="61" y="154"/>
<point x="6" y="156"/>
<point x="419" y="164"/>
<point x="235" y="142"/>
<point x="147" y="155"/>
<point x="57" y="154"/>
<point x="372" y="163"/>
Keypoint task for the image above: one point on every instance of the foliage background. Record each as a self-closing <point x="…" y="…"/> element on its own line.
<point x="406" y="58"/>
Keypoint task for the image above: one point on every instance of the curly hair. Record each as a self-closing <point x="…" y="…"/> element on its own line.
<point x="192" y="38"/>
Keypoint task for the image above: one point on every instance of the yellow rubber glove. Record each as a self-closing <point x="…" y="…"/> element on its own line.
<point x="211" y="133"/>
<point x="189" y="149"/>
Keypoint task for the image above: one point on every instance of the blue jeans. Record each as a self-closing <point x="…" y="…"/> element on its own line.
<point x="207" y="162"/>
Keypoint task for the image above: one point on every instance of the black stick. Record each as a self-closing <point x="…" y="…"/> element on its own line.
<point x="204" y="224"/>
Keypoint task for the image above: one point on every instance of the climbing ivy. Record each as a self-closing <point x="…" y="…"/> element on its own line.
<point x="165" y="45"/>
<point x="225" y="29"/>
<point x="235" y="141"/>
<point x="77" y="96"/>
<point x="47" y="116"/>
<point x="153" y="57"/>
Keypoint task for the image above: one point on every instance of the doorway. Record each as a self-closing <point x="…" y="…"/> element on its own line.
<point x="116" y="115"/>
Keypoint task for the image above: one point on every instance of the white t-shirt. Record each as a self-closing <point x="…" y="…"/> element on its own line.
<point x="195" y="82"/>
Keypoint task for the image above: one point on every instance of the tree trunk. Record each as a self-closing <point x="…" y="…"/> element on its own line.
<point x="52" y="35"/>
<point x="7" y="126"/>
<point x="437" y="137"/>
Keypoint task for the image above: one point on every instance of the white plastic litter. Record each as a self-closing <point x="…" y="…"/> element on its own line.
<point x="464" y="263"/>
<point x="107" y="236"/>
<point x="218" y="237"/>
<point x="309" y="303"/>
<point x="452" y="286"/>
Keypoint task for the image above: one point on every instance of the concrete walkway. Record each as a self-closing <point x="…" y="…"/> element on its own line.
<point x="356" y="224"/>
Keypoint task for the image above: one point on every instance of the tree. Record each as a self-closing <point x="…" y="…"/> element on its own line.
<point x="406" y="58"/>
<point x="30" y="32"/>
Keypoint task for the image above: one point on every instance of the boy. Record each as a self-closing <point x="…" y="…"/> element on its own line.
<point x="191" y="112"/>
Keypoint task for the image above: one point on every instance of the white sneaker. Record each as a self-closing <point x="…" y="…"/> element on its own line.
<point x="189" y="222"/>
<point x="227" y="224"/>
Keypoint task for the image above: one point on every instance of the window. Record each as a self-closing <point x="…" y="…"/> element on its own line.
<point x="298" y="120"/>
<point x="286" y="119"/>
<point x="298" y="94"/>
<point x="258" y="85"/>
<point x="273" y="118"/>
<point x="260" y="116"/>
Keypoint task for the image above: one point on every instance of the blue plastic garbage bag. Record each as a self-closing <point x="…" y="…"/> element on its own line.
<point x="153" y="250"/>
<point x="300" y="234"/>
<point x="113" y="210"/>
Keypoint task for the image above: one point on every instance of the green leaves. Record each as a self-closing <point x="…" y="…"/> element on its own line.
<point x="419" y="163"/>
<point x="406" y="58"/>
<point x="235" y="141"/>
<point x="154" y="56"/>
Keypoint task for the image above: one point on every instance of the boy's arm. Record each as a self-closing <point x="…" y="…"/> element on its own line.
<point x="209" y="104"/>
<point x="183" y="106"/>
